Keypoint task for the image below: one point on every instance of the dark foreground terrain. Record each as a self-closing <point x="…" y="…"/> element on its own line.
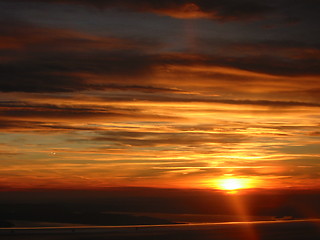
<point x="288" y="230"/>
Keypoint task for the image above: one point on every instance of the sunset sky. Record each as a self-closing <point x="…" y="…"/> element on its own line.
<point x="168" y="94"/>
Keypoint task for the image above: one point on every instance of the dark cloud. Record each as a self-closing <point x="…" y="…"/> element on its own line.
<point x="38" y="59"/>
<point x="54" y="60"/>
<point x="184" y="98"/>
<point x="64" y="73"/>
<point x="290" y="49"/>
<point x="20" y="35"/>
<point x="275" y="66"/>
<point x="287" y="11"/>
<point x="6" y="125"/>
<point x="73" y="72"/>
<point x="276" y="57"/>
<point x="153" y="139"/>
<point x="222" y="10"/>
<point x="11" y="125"/>
<point x="266" y="103"/>
<point x="146" y="89"/>
<point x="39" y="114"/>
<point x="36" y="112"/>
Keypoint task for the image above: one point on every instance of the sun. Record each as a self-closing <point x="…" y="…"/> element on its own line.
<point x="232" y="184"/>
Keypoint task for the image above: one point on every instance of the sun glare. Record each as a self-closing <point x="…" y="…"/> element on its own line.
<point x="232" y="184"/>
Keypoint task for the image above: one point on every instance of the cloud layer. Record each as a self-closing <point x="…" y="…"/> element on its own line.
<point x="96" y="93"/>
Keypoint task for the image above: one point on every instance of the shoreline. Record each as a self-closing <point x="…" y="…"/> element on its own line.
<point x="137" y="228"/>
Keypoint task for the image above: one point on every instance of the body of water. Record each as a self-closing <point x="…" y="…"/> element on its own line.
<point x="264" y="230"/>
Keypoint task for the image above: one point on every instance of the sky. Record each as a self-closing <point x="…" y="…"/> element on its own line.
<point x="165" y="94"/>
